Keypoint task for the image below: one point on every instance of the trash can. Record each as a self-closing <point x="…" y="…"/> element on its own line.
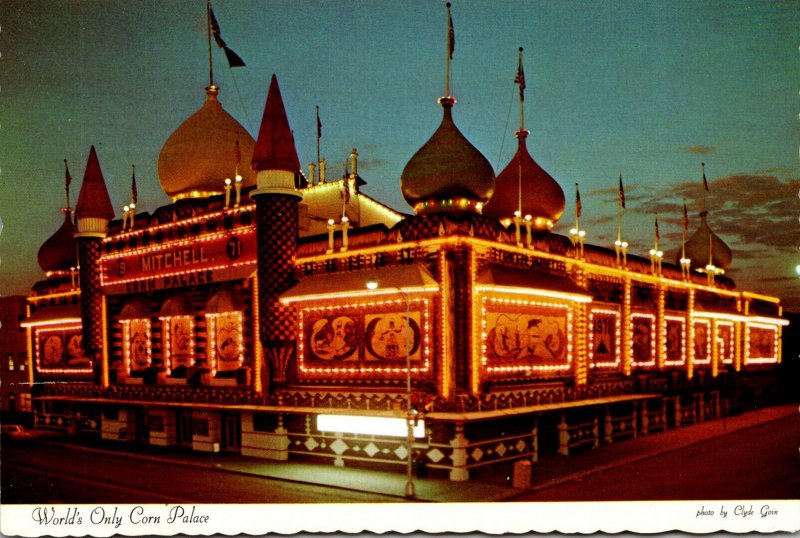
<point x="522" y="474"/>
<point x="420" y="466"/>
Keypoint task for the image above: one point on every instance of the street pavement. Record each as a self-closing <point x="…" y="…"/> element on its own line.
<point x="547" y="473"/>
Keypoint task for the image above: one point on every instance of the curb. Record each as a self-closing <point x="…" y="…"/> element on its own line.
<point x="219" y="468"/>
<point x="618" y="463"/>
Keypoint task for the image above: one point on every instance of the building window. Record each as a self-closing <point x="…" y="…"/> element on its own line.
<point x="226" y="345"/>
<point x="136" y="344"/>
<point x="10" y="363"/>
<point x="178" y="337"/>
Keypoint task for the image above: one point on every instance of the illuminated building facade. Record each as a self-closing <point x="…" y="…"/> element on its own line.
<point x="232" y="319"/>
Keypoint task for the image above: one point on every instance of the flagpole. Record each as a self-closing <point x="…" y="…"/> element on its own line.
<point x="619" y="210"/>
<point x="448" y="52"/>
<point x="656" y="233"/>
<point x="683" y="230"/>
<point x="67" y="181"/>
<point x="319" y="135"/>
<point x="208" y="34"/>
<point x="521" y="82"/>
<point x="577" y="208"/>
<point x="705" y="184"/>
<point x="521" y="97"/>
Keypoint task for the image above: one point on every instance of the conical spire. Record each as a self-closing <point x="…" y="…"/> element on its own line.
<point x="275" y="148"/>
<point x="93" y="200"/>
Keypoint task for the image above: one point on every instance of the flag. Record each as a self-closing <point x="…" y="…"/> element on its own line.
<point x="234" y="60"/>
<point x="215" y="29"/>
<point x="578" y="205"/>
<point x="451" y="34"/>
<point x="134" y="190"/>
<point x="520" y="78"/>
<point x="705" y="182"/>
<point x="67" y="176"/>
<point x="685" y="217"/>
<point x="621" y="193"/>
<point x="658" y="235"/>
<point x="319" y="125"/>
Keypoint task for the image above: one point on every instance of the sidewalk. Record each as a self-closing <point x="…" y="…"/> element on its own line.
<point x="547" y="472"/>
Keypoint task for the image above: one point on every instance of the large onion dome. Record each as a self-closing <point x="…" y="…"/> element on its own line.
<point x="58" y="253"/>
<point x="541" y="196"/>
<point x="447" y="174"/>
<point x="201" y="153"/>
<point x="697" y="248"/>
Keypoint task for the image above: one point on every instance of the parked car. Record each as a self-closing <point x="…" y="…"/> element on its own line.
<point x="15" y="433"/>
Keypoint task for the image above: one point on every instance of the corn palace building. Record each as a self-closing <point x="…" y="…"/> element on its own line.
<point x="282" y="315"/>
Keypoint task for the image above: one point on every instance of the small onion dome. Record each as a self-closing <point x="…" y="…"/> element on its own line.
<point x="58" y="253"/>
<point x="447" y="174"/>
<point x="697" y="246"/>
<point x="201" y="153"/>
<point x="542" y="197"/>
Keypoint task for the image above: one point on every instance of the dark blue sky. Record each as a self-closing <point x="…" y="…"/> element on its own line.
<point x="647" y="88"/>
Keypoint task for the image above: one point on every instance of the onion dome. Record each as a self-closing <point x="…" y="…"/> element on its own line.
<point x="697" y="248"/>
<point x="201" y="153"/>
<point x="541" y="196"/>
<point x="447" y="174"/>
<point x="58" y="253"/>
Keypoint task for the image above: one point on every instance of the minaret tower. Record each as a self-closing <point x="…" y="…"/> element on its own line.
<point x="93" y="212"/>
<point x="276" y="196"/>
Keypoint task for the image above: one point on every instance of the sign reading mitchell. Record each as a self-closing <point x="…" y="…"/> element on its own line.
<point x="225" y="257"/>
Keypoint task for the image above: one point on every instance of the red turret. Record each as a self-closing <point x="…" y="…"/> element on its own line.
<point x="93" y="212"/>
<point x="276" y="164"/>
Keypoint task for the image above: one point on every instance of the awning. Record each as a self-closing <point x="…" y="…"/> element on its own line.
<point x="498" y="278"/>
<point x="55" y="315"/>
<point x="412" y="278"/>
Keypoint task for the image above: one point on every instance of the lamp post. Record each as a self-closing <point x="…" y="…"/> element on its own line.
<point x="410" y="490"/>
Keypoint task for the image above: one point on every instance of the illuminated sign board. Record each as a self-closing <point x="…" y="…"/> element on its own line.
<point x="385" y="426"/>
<point x="189" y="262"/>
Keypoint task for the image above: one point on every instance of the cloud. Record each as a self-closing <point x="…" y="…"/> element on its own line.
<point x="699" y="149"/>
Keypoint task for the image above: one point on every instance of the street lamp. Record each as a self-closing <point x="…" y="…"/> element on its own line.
<point x="410" y="490"/>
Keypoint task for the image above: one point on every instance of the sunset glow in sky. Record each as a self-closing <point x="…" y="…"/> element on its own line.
<point x="651" y="89"/>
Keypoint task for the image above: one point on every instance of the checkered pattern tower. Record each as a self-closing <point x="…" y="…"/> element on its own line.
<point x="93" y="212"/>
<point x="276" y="165"/>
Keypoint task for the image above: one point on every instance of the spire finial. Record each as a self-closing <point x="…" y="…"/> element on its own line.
<point x="208" y="31"/>
<point x="705" y="184"/>
<point x="134" y="190"/>
<point x="520" y="79"/>
<point x="67" y="182"/>
<point x="451" y="47"/>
